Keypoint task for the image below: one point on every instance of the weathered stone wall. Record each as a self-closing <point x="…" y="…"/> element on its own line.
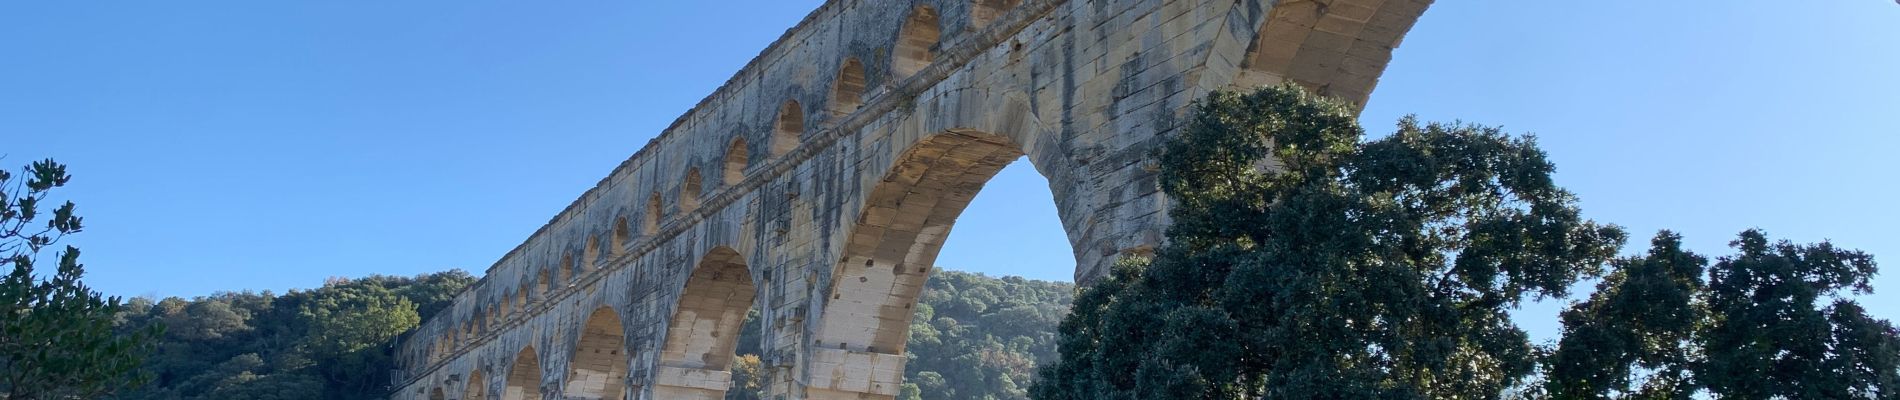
<point x="819" y="183"/>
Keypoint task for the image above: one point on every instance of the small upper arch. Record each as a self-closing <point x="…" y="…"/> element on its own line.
<point x="916" y="42"/>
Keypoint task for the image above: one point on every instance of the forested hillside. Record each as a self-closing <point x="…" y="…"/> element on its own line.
<point x="327" y="343"/>
<point x="974" y="337"/>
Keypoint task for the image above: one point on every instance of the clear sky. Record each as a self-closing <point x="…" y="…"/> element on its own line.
<point x="267" y="145"/>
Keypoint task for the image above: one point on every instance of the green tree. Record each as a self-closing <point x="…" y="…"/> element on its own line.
<point x="972" y="337"/>
<point x="328" y="343"/>
<point x="748" y="378"/>
<point x="1751" y="327"/>
<point x="348" y="324"/>
<point x="57" y="336"/>
<point x="1769" y="338"/>
<point x="1634" y="336"/>
<point x="1305" y="263"/>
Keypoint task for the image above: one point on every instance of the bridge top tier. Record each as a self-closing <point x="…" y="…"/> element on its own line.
<point x="851" y="64"/>
<point x="747" y="131"/>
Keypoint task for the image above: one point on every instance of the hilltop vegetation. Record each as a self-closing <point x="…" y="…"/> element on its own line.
<point x="974" y="337"/>
<point x="327" y="343"/>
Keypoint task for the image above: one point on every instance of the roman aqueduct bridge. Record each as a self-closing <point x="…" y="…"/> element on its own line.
<point x="818" y="184"/>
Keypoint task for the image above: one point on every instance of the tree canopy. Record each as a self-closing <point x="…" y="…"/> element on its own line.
<point x="1669" y="326"/>
<point x="972" y="337"/>
<point x="333" y="342"/>
<point x="57" y="335"/>
<point x="1306" y="262"/>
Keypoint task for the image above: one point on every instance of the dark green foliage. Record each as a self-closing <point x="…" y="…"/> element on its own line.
<point x="1752" y="327"/>
<point x="1304" y="263"/>
<point x="1768" y="337"/>
<point x="57" y="336"/>
<point x="973" y="337"/>
<point x="329" y="343"/>
<point x="1641" y="318"/>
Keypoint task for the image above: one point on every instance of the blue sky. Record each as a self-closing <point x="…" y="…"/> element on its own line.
<point x="268" y="145"/>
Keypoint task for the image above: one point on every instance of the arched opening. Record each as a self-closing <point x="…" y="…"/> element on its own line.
<point x="567" y="267"/>
<point x="544" y="285"/>
<point x="529" y="295"/>
<point x="891" y="253"/>
<point x="652" y="223"/>
<point x="507" y="307"/>
<point x="983" y="12"/>
<point x="620" y="236"/>
<point x="590" y="255"/>
<point x="689" y="191"/>
<point x="524" y="377"/>
<point x="734" y="170"/>
<point x="476" y="388"/>
<point x="598" y="369"/>
<point x="847" y="93"/>
<point x="916" y="42"/>
<point x="704" y="331"/>
<point x="436" y="394"/>
<point x="790" y="125"/>
<point x="1333" y="50"/>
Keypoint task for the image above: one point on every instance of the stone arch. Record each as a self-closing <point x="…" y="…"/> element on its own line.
<point x="620" y="236"/>
<point x="689" y="191"/>
<point x="704" y="331"/>
<point x="436" y="394"/>
<point x="889" y="254"/>
<point x="567" y="267"/>
<point x="652" y="224"/>
<point x="529" y="295"/>
<point x="1336" y="48"/>
<point x="544" y="285"/>
<point x="982" y="12"/>
<point x="476" y="388"/>
<point x="736" y="159"/>
<point x="847" y="92"/>
<point x="916" y="44"/>
<point x="524" y="377"/>
<point x="507" y="305"/>
<point x="598" y="369"/>
<point x="787" y="128"/>
<point x="590" y="255"/>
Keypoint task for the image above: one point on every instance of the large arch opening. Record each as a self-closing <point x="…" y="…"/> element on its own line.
<point x="890" y="254"/>
<point x="436" y="394"/>
<point x="704" y="332"/>
<point x="916" y="42"/>
<point x="476" y="388"/>
<point x="598" y="369"/>
<point x="524" y="377"/>
<point x="1337" y="48"/>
